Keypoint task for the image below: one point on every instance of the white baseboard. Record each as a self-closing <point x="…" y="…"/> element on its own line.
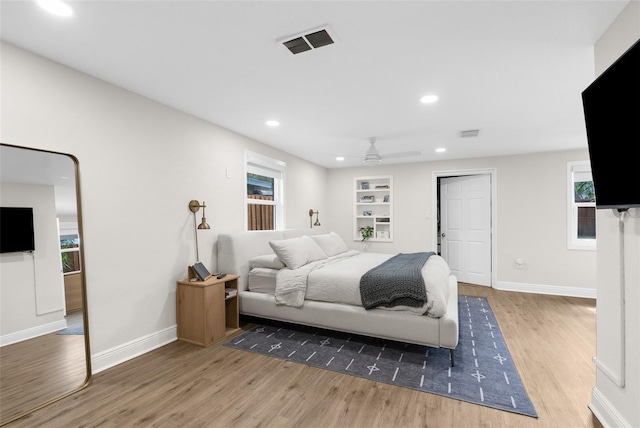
<point x="30" y="333"/>
<point x="555" y="290"/>
<point x="127" y="351"/>
<point x="605" y="412"/>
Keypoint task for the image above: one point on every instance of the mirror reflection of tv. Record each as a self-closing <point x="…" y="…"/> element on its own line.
<point x="16" y="230"/>
<point x="612" y="116"/>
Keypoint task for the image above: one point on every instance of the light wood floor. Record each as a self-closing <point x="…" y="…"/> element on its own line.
<point x="552" y="340"/>
<point x="37" y="370"/>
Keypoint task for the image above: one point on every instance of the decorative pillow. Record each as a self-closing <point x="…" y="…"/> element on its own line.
<point x="296" y="252"/>
<point x="436" y="274"/>
<point x="330" y="243"/>
<point x="268" y="261"/>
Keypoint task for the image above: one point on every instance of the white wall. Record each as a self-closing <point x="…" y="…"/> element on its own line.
<point x="531" y="217"/>
<point x="31" y="285"/>
<point x="613" y="405"/>
<point x="140" y="164"/>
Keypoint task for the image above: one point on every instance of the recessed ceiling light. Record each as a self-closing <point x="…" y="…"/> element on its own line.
<point x="429" y="99"/>
<point x="272" y="123"/>
<point x="340" y="158"/>
<point x="56" y="7"/>
<point x="441" y="150"/>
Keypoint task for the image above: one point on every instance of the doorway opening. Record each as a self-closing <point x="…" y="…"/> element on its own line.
<point x="464" y="226"/>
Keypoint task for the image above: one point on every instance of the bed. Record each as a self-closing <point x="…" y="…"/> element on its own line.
<point x="274" y="267"/>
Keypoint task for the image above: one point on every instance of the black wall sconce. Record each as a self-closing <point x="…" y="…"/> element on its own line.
<point x="317" y="222"/>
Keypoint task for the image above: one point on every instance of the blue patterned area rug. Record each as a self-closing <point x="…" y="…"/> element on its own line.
<point x="72" y="331"/>
<point x="484" y="372"/>
<point x="75" y="324"/>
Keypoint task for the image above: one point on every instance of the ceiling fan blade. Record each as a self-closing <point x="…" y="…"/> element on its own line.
<point x="400" y="155"/>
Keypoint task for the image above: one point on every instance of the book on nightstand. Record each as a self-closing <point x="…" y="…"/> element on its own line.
<point x="201" y="272"/>
<point x="230" y="292"/>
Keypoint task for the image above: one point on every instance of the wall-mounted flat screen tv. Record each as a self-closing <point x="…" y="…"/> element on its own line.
<point x="16" y="230"/>
<point x="612" y="116"/>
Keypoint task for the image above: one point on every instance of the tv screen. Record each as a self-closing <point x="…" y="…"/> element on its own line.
<point x="16" y="230"/>
<point x="612" y="116"/>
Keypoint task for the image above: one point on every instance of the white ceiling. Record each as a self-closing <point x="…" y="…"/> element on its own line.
<point x="26" y="166"/>
<point x="513" y="69"/>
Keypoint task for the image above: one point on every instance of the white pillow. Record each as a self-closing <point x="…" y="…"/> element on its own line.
<point x="330" y="243"/>
<point x="268" y="261"/>
<point x="296" y="252"/>
<point x="436" y="274"/>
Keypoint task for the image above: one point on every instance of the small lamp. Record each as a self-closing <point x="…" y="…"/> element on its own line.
<point x="195" y="206"/>
<point x="317" y="222"/>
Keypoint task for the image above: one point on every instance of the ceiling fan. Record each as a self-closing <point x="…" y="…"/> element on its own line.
<point x="373" y="156"/>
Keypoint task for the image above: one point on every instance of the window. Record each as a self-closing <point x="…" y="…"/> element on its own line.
<point x="70" y="253"/>
<point x="581" y="207"/>
<point x="265" y="192"/>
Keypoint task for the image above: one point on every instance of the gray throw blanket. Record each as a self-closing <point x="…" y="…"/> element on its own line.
<point x="398" y="281"/>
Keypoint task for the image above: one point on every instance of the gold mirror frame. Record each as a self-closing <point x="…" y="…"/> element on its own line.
<point x="85" y="314"/>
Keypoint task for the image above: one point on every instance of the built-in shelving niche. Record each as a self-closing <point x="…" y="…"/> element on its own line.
<point x="373" y="206"/>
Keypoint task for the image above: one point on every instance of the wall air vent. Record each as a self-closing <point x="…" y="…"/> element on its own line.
<point x="470" y="133"/>
<point x="309" y="40"/>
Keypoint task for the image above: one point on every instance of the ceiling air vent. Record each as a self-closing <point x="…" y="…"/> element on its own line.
<point x="311" y="39"/>
<point x="469" y="133"/>
<point x="319" y="39"/>
<point x="297" y="45"/>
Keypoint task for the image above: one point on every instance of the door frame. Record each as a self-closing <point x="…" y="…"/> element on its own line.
<point x="492" y="172"/>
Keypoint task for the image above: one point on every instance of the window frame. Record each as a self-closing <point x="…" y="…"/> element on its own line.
<point x="66" y="230"/>
<point x="263" y="165"/>
<point x="573" y="242"/>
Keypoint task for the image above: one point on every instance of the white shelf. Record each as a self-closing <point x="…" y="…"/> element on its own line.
<point x="378" y="209"/>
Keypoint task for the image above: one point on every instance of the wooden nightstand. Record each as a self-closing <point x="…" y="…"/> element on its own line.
<point x="204" y="315"/>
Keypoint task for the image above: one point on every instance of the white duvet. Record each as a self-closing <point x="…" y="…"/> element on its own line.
<point x="337" y="279"/>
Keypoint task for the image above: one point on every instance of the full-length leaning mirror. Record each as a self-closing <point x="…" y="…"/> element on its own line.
<point x="44" y="342"/>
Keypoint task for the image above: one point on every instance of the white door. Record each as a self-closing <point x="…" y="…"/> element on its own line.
<point x="465" y="227"/>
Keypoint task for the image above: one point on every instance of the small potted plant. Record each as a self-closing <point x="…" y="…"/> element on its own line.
<point x="366" y="232"/>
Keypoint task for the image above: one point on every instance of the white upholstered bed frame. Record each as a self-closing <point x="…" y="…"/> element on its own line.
<point x="235" y="250"/>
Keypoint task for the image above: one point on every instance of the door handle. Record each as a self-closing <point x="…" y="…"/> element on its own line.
<point x="443" y="234"/>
